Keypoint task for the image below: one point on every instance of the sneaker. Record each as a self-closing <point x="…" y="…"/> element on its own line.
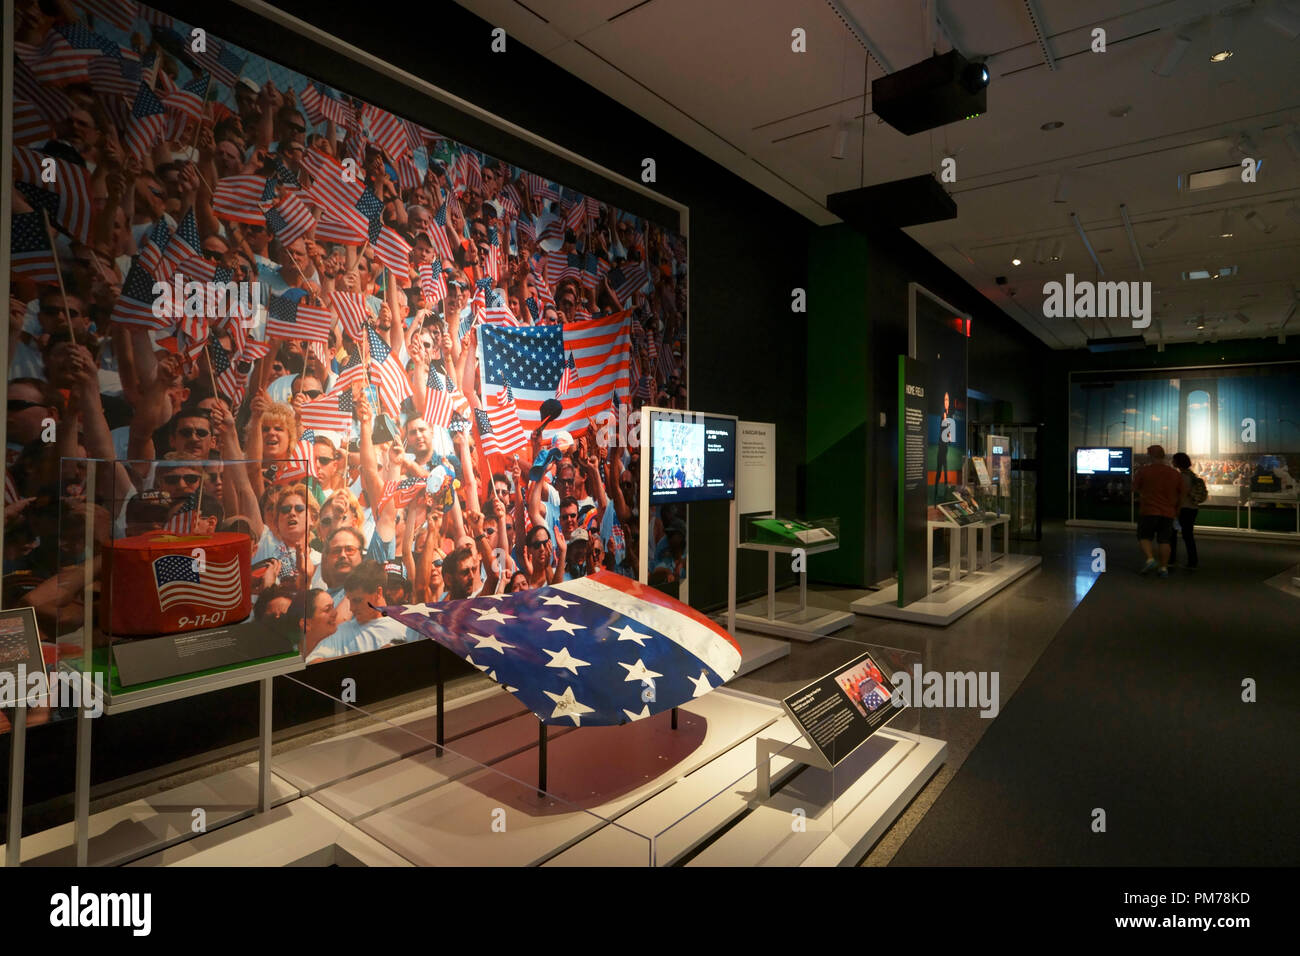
<point x="1164" y="572"/>
<point x="1149" y="566"/>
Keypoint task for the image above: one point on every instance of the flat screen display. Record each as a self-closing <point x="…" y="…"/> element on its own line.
<point x="692" y="457"/>
<point x="1093" y="461"/>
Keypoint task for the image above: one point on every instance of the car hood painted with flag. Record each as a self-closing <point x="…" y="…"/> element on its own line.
<point x="597" y="650"/>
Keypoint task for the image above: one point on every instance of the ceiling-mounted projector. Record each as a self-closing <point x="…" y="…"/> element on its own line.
<point x="941" y="90"/>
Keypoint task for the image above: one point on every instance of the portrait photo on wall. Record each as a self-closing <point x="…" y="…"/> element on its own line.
<point x="400" y="368"/>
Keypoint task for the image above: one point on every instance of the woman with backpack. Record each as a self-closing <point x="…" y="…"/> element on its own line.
<point x="1189" y="503"/>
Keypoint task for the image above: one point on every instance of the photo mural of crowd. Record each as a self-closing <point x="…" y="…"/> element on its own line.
<point x="274" y="309"/>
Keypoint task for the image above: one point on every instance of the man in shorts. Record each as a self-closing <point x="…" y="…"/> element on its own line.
<point x="1158" y="485"/>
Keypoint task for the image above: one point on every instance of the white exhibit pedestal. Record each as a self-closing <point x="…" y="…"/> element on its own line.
<point x="799" y="621"/>
<point x="948" y="601"/>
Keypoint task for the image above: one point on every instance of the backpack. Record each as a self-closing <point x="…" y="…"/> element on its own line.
<point x="1198" y="491"/>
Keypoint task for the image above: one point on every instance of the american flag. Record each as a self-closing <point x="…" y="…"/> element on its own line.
<point x="478" y="304"/>
<point x="290" y="219"/>
<point x="524" y="231"/>
<point x="601" y="349"/>
<point x="539" y="186"/>
<point x="30" y="127"/>
<point x="561" y="265"/>
<point x="627" y="280"/>
<point x="336" y="194"/>
<point x="240" y="198"/>
<point x="153" y="254"/>
<point x="65" y="55"/>
<point x="386" y="131"/>
<point x="584" y="652"/>
<point x="286" y="176"/>
<point x="353" y="374"/>
<point x="645" y="389"/>
<point x="301" y="463"/>
<point x="532" y="359"/>
<point x="134" y="305"/>
<point x="182" y="518"/>
<point x="576" y="216"/>
<point x="289" y="316"/>
<point x="353" y="311"/>
<point x="394" y="386"/>
<point x="372" y="210"/>
<point x="187" y="101"/>
<point x="331" y="230"/>
<point x="147" y="124"/>
<point x="221" y="61"/>
<point x="568" y="378"/>
<point x="505" y="435"/>
<point x="186" y="240"/>
<point x="229" y="381"/>
<point x="51" y="101"/>
<point x="115" y="75"/>
<point x="31" y="254"/>
<point x="394" y="252"/>
<point x="331" y="411"/>
<point x="511" y="201"/>
<point x="121" y="13"/>
<point x="324" y="104"/>
<point x="437" y="407"/>
<point x="473" y="171"/>
<point x="403" y="492"/>
<point x="438" y="235"/>
<point x="71" y="207"/>
<point x="218" y="585"/>
<point x="433" y="285"/>
<point x="408" y="174"/>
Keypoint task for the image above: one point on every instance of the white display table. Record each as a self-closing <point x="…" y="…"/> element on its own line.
<point x="797" y="621"/>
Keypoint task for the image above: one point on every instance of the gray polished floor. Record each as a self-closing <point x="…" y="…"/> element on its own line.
<point x="1006" y="634"/>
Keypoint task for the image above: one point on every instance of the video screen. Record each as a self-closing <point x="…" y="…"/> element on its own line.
<point x="1092" y="461"/>
<point x="692" y="457"/>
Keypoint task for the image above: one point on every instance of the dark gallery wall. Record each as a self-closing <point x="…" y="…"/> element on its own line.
<point x="746" y="351"/>
<point x="857" y="321"/>
<point x="1056" y="395"/>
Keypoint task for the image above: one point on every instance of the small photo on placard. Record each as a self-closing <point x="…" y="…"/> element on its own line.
<point x="865" y="687"/>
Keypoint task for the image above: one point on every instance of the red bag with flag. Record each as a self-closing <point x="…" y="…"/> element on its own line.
<point x="160" y="583"/>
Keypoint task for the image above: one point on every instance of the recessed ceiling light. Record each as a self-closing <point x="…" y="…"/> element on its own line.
<point x="1054" y="124"/>
<point x="1220" y="56"/>
<point x="1015" y="261"/>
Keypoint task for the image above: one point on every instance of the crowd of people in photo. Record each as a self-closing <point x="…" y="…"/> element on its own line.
<point x="679" y="472"/>
<point x="346" y="420"/>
